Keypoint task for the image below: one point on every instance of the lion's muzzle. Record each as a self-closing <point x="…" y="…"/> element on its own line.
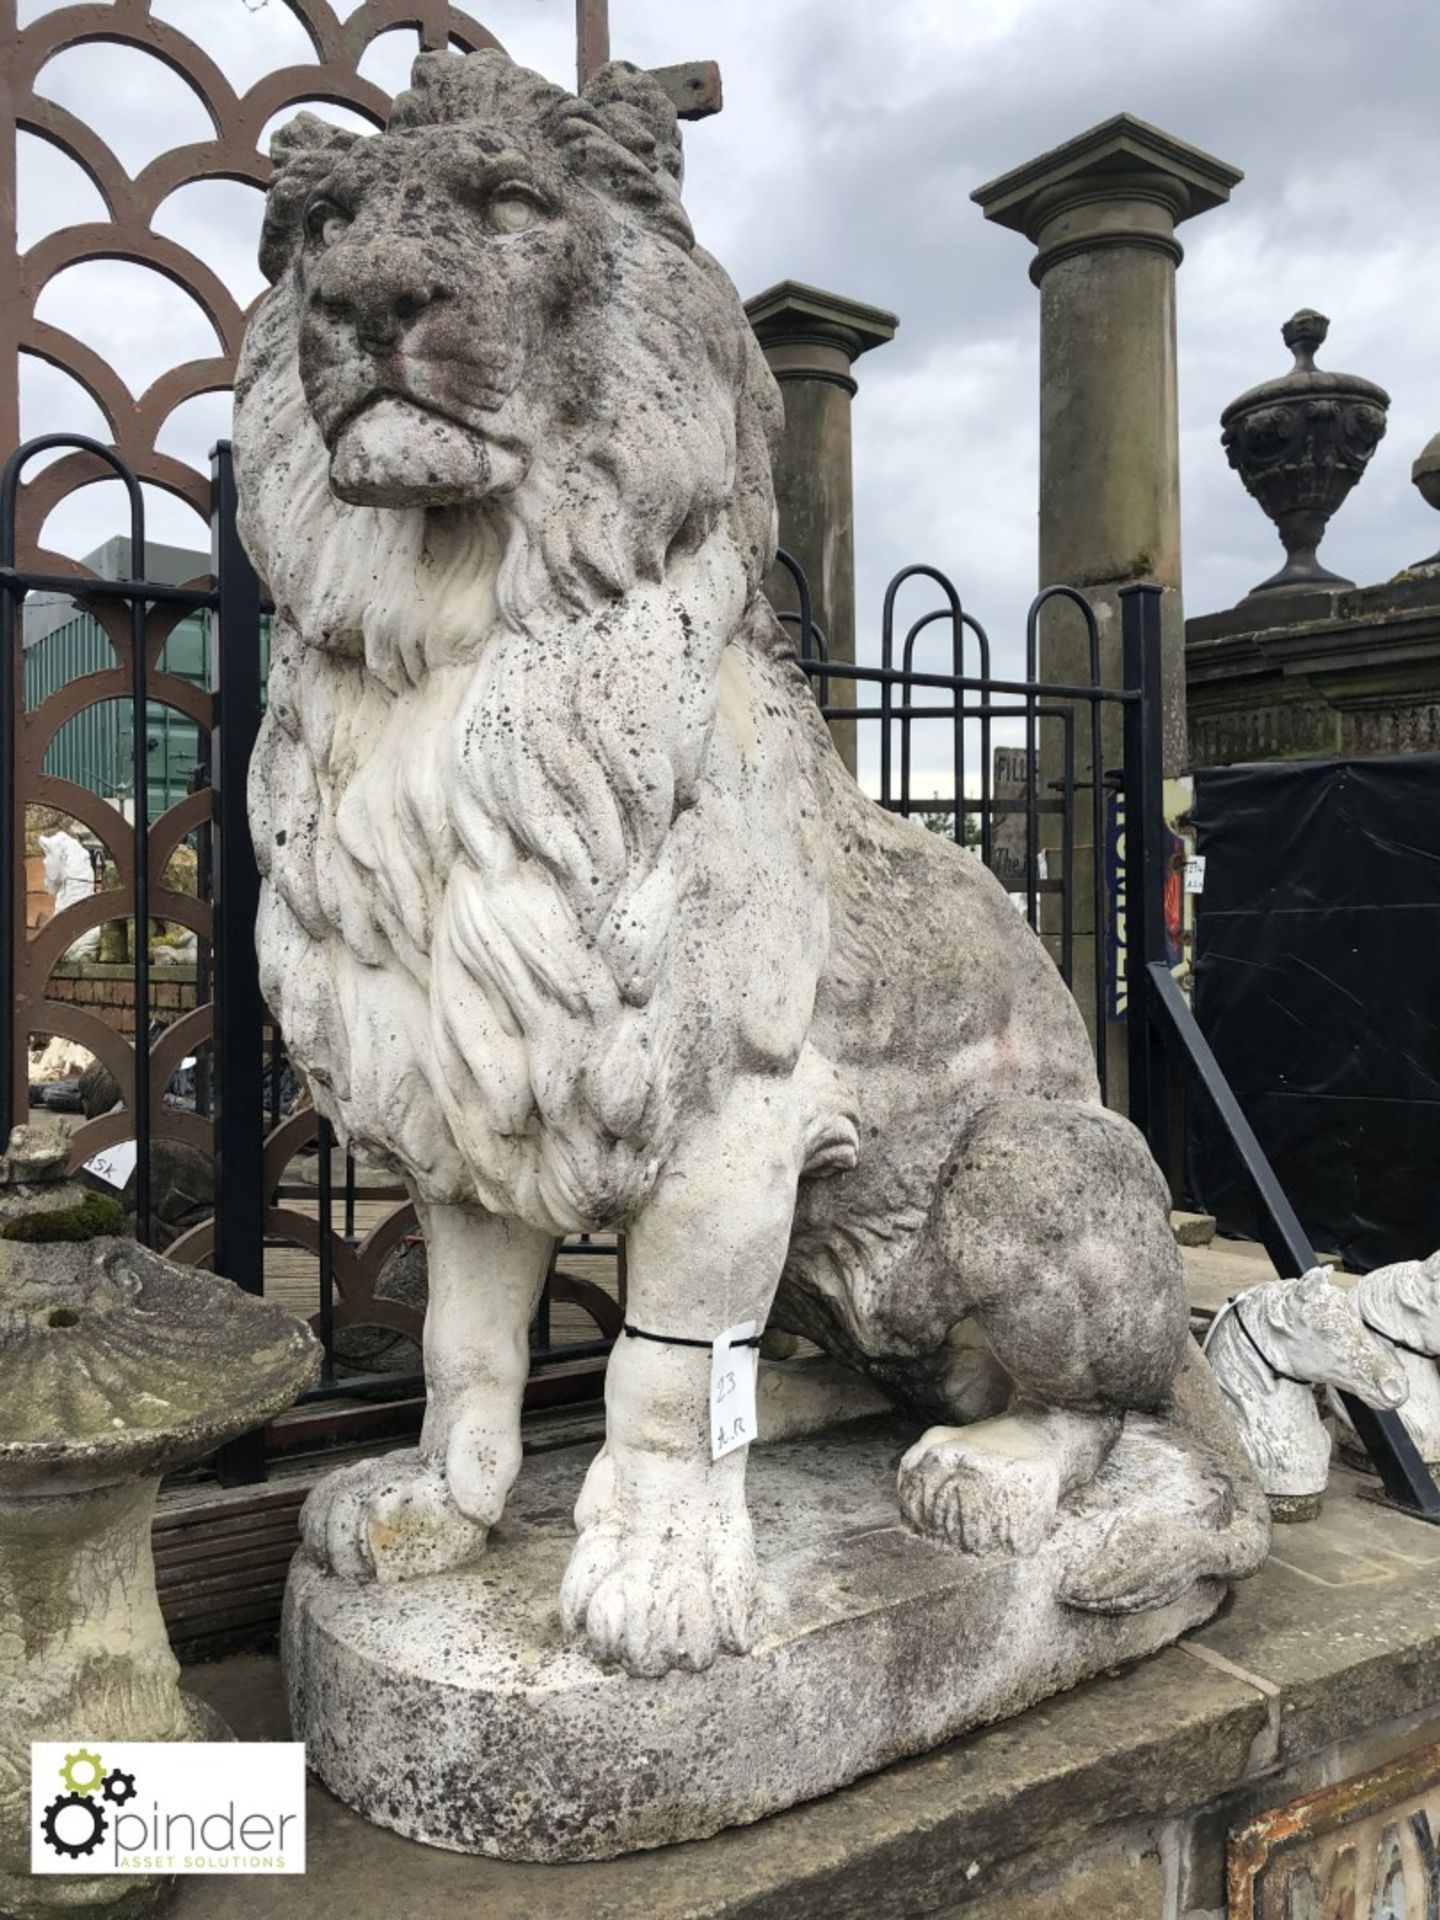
<point x="405" y="415"/>
<point x="379" y="291"/>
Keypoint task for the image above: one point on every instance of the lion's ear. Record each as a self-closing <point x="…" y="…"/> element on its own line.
<point x="625" y="109"/>
<point x="636" y="110"/>
<point x="302" y="152"/>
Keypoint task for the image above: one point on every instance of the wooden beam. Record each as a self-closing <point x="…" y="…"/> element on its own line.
<point x="592" y="37"/>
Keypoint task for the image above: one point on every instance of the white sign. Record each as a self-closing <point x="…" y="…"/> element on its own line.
<point x="114" y="1164"/>
<point x="1195" y="873"/>
<point x="140" y="1806"/>
<point x="732" y="1390"/>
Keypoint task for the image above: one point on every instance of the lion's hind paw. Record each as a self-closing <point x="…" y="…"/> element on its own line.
<point x="974" y="1492"/>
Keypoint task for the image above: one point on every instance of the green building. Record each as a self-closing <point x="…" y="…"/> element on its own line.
<point x="95" y="748"/>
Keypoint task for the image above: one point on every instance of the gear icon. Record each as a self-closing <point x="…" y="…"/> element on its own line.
<point x="83" y="1761"/>
<point x="49" y="1825"/>
<point x="118" y="1787"/>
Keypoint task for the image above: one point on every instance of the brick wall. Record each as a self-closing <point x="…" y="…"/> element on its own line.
<point x="110" y="991"/>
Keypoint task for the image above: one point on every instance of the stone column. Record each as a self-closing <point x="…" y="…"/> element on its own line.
<point x="812" y="340"/>
<point x="1101" y="212"/>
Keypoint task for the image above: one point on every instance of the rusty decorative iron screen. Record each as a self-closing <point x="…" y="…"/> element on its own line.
<point x="235" y="1113"/>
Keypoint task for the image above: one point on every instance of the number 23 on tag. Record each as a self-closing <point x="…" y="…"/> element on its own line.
<point x="732" y="1390"/>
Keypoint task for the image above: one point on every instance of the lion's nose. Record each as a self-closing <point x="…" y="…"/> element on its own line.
<point x="381" y="291"/>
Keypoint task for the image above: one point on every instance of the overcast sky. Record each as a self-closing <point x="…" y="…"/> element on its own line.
<point x="852" y="136"/>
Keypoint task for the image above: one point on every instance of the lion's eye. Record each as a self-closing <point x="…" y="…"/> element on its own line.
<point x="327" y="223"/>
<point x="512" y="210"/>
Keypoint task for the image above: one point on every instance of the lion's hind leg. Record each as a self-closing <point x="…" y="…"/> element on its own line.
<point x="1051" y="1225"/>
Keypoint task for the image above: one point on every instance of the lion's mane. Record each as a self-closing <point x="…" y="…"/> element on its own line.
<point x="487" y="725"/>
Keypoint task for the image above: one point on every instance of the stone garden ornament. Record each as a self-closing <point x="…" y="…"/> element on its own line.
<point x="1271" y="1348"/>
<point x="115" y="1367"/>
<point x="572" y="914"/>
<point x="70" y="876"/>
<point x="1401" y="1306"/>
<point x="1299" y="444"/>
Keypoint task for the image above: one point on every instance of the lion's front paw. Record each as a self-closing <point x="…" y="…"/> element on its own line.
<point x="654" y="1601"/>
<point x="387" y="1519"/>
<point x="956" y="1487"/>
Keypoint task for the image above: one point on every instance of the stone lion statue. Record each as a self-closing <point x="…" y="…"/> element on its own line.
<point x="572" y="913"/>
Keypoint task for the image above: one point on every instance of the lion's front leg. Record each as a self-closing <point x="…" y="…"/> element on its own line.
<point x="664" y="1573"/>
<point x="418" y="1512"/>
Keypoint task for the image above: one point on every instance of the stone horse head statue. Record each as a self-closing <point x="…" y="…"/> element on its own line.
<point x="1400" y="1304"/>
<point x="1270" y="1348"/>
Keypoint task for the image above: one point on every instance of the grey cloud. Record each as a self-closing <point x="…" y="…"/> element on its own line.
<point x="852" y="138"/>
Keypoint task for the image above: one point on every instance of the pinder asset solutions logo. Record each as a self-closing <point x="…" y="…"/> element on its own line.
<point x="162" y="1808"/>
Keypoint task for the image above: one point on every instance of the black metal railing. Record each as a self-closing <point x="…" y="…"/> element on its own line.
<point x="250" y="1109"/>
<point x="905" y="698"/>
<point x="1163" y="1041"/>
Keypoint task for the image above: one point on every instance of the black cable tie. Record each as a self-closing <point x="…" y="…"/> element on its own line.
<point x="681" y="1340"/>
<point x="1394" y="1340"/>
<point x="1280" y="1374"/>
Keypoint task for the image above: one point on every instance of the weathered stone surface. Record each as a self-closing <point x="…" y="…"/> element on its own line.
<point x="1169" y="1753"/>
<point x="572" y="914"/>
<point x="1102" y="210"/>
<point x="114" y="1366"/>
<point x="1348" y="1632"/>
<point x="450" y="1709"/>
<point x="968" y="1819"/>
<point x="1352" y="671"/>
<point x="1300" y="443"/>
<point x="1270" y="1347"/>
<point x="23" y="1202"/>
<point x="1115" y="1883"/>
<point x="812" y="339"/>
<point x="1193" y="1229"/>
<point x="1400" y="1305"/>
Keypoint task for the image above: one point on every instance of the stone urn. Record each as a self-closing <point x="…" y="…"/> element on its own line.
<point x="1300" y="443"/>
<point x="116" y="1366"/>
<point x="1426" y="475"/>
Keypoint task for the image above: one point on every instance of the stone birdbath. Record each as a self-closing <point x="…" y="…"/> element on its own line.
<point x="116" y="1366"/>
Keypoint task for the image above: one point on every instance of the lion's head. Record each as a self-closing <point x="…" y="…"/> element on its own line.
<point x="498" y="305"/>
<point x="503" y="444"/>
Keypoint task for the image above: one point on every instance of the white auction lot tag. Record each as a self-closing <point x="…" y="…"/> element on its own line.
<point x="114" y="1164"/>
<point x="145" y="1806"/>
<point x="732" y="1390"/>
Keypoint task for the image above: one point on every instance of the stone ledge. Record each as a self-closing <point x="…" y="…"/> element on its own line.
<point x="1320" y="611"/>
<point x="1339" y="1634"/>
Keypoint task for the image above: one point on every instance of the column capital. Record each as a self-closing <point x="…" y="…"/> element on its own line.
<point x="1122" y="183"/>
<point x="809" y="334"/>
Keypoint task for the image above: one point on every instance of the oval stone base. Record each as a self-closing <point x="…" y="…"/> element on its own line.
<point x="451" y="1709"/>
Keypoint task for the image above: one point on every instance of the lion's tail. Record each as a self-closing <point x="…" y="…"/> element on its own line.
<point x="1142" y="1560"/>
